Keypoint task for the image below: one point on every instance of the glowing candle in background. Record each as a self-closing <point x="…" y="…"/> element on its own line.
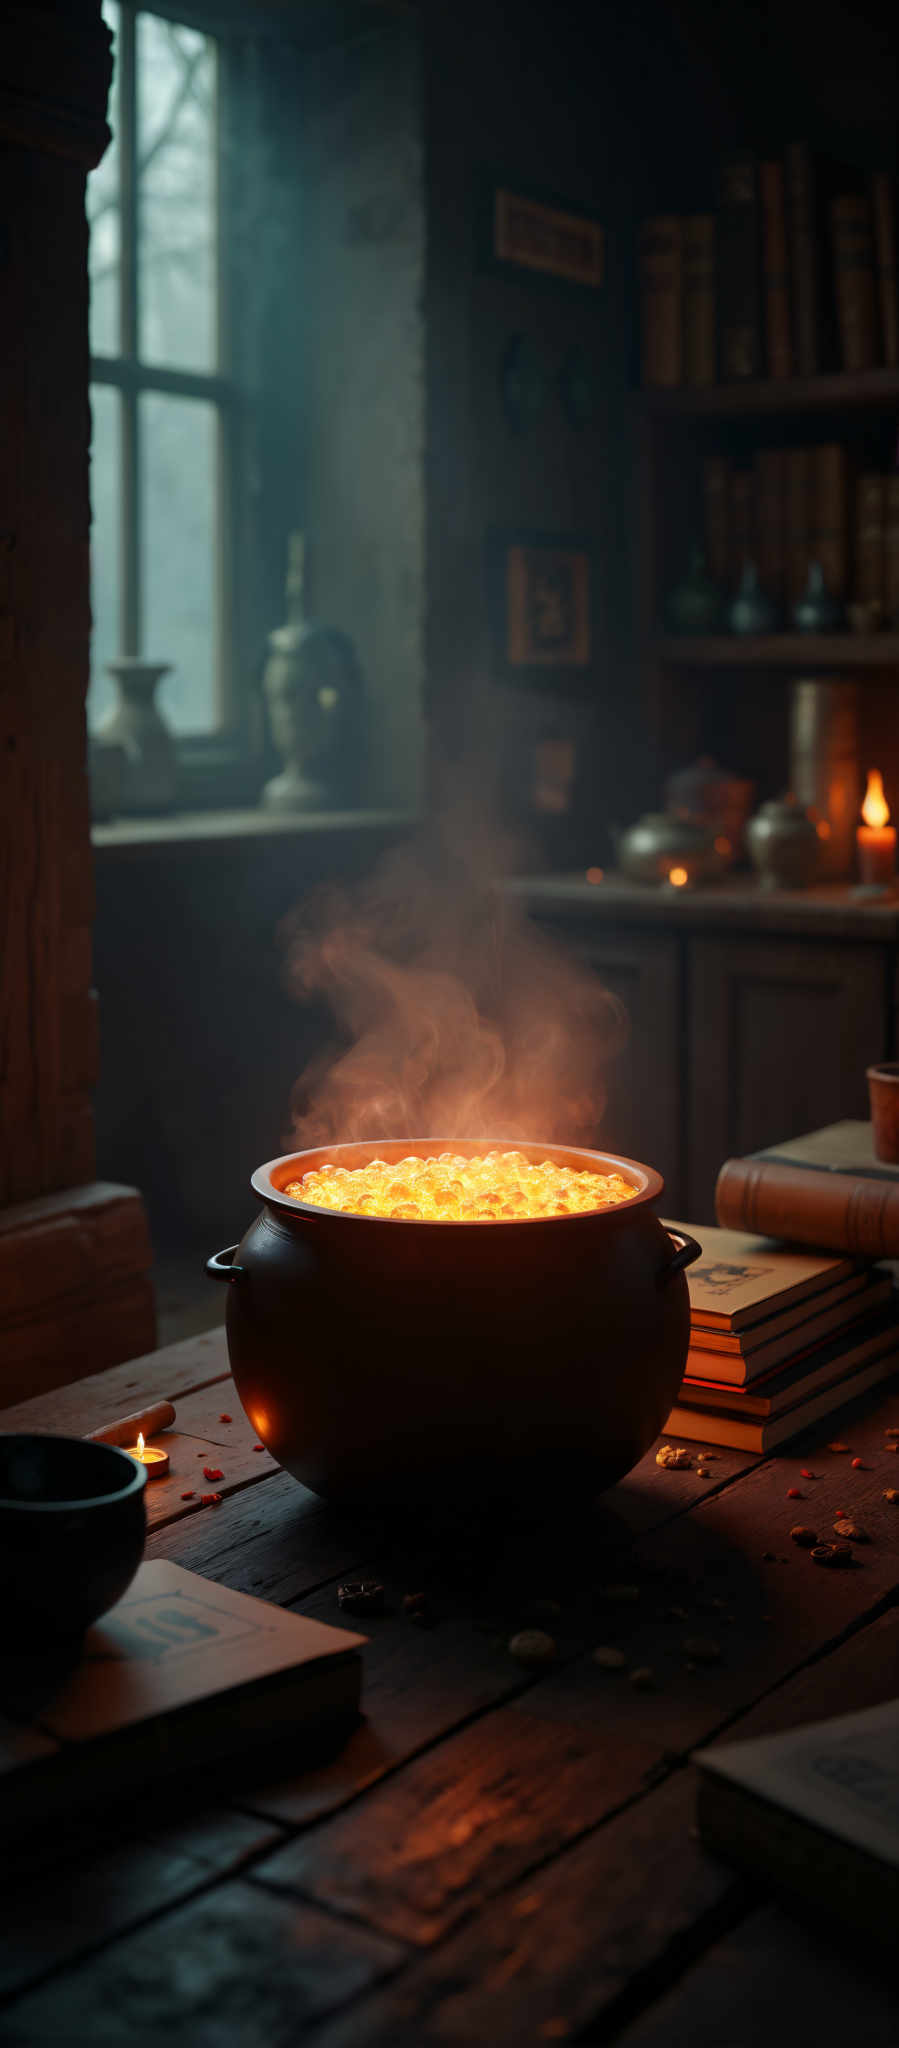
<point x="876" y="838"/>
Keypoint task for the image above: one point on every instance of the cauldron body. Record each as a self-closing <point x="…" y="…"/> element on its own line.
<point x="390" y="1361"/>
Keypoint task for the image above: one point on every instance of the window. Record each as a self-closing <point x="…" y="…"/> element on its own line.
<point x="164" y="409"/>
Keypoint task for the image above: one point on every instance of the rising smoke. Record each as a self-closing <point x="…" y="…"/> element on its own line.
<point x="452" y="1014"/>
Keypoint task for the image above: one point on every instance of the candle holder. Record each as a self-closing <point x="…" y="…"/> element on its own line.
<point x="154" y="1462"/>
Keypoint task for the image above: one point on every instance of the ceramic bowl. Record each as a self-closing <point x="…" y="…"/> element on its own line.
<point x="72" y="1532"/>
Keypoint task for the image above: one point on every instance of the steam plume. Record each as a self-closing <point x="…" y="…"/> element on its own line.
<point x="455" y="1016"/>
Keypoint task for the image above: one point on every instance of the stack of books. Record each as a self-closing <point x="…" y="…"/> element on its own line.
<point x="779" y="1337"/>
<point x="793" y="274"/>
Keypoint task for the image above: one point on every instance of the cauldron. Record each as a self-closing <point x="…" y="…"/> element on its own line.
<point x="385" y="1361"/>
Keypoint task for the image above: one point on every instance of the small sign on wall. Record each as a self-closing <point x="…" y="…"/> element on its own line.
<point x="531" y="235"/>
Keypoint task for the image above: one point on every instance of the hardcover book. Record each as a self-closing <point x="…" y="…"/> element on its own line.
<point x="815" y="1812"/>
<point x="180" y="1674"/>
<point x="853" y="268"/>
<point x="775" y="270"/>
<point x="739" y="296"/>
<point x="850" y="1297"/>
<point x="742" y="1432"/>
<point x="799" y="175"/>
<point x="815" y="1366"/>
<point x="741" y="1278"/>
<point x="883" y="213"/>
<point x="661" y="284"/>
<point x="844" y="1211"/>
<point x="699" y="298"/>
<point x="740" y="1367"/>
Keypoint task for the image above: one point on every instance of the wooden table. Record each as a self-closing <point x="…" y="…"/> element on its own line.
<point x="497" y="1855"/>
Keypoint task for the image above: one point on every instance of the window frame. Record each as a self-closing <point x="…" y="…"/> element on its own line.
<point x="131" y="377"/>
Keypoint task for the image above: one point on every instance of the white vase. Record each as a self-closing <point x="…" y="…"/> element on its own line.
<point x="150" y="774"/>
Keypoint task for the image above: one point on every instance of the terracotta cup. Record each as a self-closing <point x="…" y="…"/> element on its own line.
<point x="883" y="1092"/>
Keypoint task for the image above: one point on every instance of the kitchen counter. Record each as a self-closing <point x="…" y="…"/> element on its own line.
<point x="828" y="911"/>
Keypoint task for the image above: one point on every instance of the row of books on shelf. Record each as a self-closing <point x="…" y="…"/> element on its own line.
<point x="794" y="275"/>
<point x="792" y="1313"/>
<point x="796" y="506"/>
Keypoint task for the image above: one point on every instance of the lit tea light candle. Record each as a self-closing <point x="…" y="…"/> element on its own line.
<point x="678" y="878"/>
<point x="876" y="838"/>
<point x="155" y="1463"/>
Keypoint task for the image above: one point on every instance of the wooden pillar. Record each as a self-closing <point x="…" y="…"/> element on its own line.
<point x="55" y="70"/>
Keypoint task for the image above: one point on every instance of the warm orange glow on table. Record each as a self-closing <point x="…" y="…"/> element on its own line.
<point x="678" y="877"/>
<point x="497" y="1188"/>
<point x="876" y="838"/>
<point x="155" y="1463"/>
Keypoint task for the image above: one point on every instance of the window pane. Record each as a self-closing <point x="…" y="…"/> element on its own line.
<point x="105" y="226"/>
<point x="175" y="144"/>
<point x="178" y="467"/>
<point x="105" y="549"/>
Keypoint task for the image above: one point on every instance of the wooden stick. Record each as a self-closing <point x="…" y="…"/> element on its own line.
<point x="124" y="1432"/>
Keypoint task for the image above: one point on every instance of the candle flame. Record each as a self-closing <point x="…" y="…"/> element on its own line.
<point x="677" y="877"/>
<point x="875" y="809"/>
<point x="140" y="1443"/>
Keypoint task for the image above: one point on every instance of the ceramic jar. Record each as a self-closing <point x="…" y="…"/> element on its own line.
<point x="783" y="844"/>
<point x="150" y="769"/>
<point x="658" y="842"/>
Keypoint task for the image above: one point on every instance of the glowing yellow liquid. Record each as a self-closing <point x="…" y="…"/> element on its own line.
<point x="501" y="1187"/>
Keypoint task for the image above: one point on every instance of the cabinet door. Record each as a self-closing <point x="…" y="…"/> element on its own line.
<point x="641" y="1117"/>
<point x="780" y="1034"/>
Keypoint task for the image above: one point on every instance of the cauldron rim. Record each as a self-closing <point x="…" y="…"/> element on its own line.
<point x="269" y="1181"/>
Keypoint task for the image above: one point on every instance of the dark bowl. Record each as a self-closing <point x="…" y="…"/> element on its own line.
<point x="72" y="1532"/>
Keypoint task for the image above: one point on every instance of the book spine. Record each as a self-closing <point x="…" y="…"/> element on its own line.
<point x="883" y="213"/>
<point x="869" y="542"/>
<point x="716" y="517"/>
<point x="800" y="189"/>
<point x="891" y="553"/>
<point x="775" y="270"/>
<point x="661" y="286"/>
<point x="699" y="298"/>
<point x="853" y="271"/>
<point x="798" y="506"/>
<point x="829" y="514"/>
<point x="742" y="523"/>
<point x="837" y="1211"/>
<point x="738" y="271"/>
<point x="770" y="502"/>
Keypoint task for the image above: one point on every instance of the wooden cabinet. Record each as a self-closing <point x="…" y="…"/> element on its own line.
<point x="779" y="1035"/>
<point x="744" y="1029"/>
<point x="642" y="1113"/>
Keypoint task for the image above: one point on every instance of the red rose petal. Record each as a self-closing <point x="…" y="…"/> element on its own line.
<point x="259" y="1447"/>
<point x="224" y="1418"/>
<point x="859" y="1465"/>
<point x="212" y="1472"/>
<point x="187" y="1496"/>
<point x="208" y="1500"/>
<point x="793" y="1493"/>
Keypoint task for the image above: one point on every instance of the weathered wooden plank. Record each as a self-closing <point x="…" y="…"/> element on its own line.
<point x="51" y="1919"/>
<point x="540" y="1964"/>
<point x="774" y="1979"/>
<point x="234" y="1964"/>
<point x="631" y="1903"/>
<point x="100" y="1397"/>
<point x="277" y="1540"/>
<point x="472" y="1815"/>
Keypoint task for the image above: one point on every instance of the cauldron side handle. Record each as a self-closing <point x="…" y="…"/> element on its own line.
<point x="686" y="1250"/>
<point x="221" y="1265"/>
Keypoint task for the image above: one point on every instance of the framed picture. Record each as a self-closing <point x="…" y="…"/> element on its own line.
<point x="550" y="240"/>
<point x="541" y="603"/>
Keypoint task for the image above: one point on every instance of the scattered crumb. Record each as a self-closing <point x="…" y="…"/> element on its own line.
<point x="609" y="1659"/>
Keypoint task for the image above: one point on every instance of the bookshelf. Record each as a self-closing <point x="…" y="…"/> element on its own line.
<point x="841" y="651"/>
<point x="840" y="391"/>
<point x="728" y="694"/>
